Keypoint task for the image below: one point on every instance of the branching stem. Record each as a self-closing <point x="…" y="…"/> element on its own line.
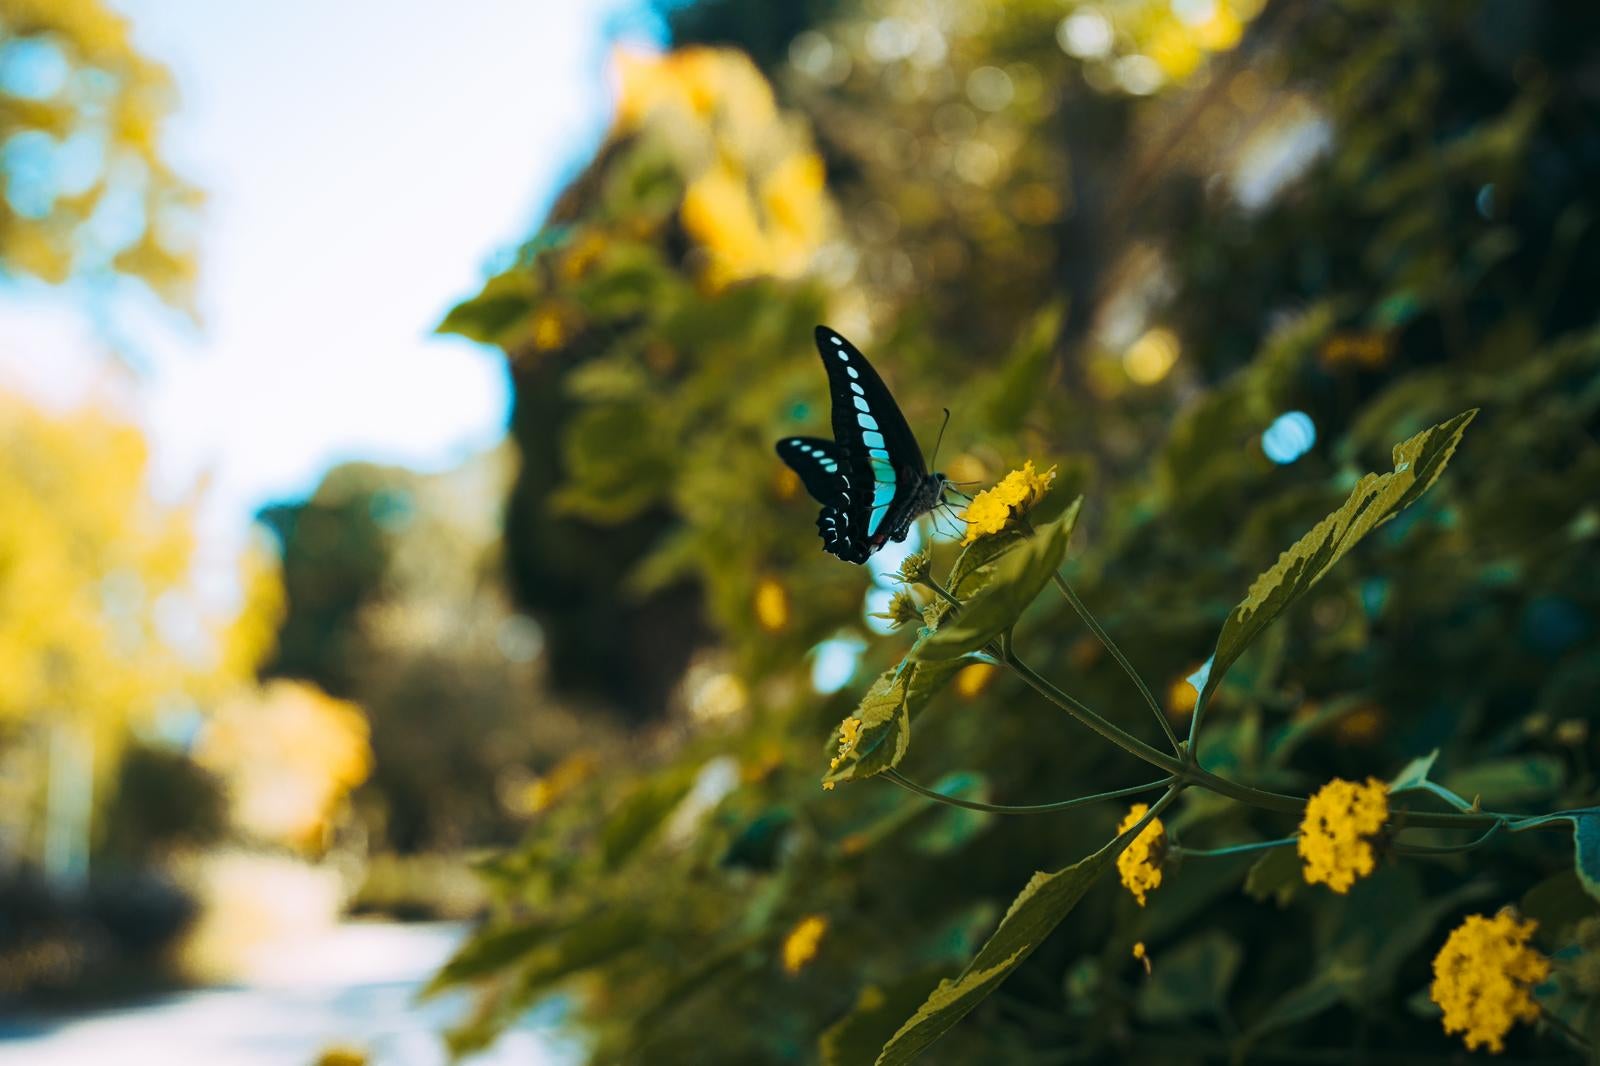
<point x="1036" y="808"/>
<point x="1116" y="653"/>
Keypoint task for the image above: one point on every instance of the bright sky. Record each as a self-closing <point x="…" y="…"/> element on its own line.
<point x="364" y="162"/>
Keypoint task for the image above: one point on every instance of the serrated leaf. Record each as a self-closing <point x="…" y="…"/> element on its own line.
<point x="1018" y="576"/>
<point x="885" y="712"/>
<point x="885" y="731"/>
<point x="1418" y="462"/>
<point x="1045" y="901"/>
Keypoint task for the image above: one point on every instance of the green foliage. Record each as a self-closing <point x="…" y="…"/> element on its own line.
<point x="1043" y="904"/>
<point x="1376" y="498"/>
<point x="1435" y="257"/>
<point x="1017" y="577"/>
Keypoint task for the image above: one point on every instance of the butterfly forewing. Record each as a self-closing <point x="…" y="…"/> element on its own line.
<point x="885" y="461"/>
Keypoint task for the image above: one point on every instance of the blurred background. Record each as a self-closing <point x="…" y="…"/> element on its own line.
<point x="410" y="645"/>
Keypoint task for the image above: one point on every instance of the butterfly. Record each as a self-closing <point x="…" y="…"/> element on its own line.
<point x="870" y="479"/>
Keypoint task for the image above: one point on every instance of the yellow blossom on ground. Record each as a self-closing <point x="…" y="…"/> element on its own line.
<point x="1139" y="865"/>
<point x="1016" y="494"/>
<point x="800" y="946"/>
<point x="1335" y="834"/>
<point x="849" y="732"/>
<point x="1483" y="977"/>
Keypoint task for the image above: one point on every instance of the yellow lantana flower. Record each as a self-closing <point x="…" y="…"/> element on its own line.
<point x="1016" y="494"/>
<point x="1139" y="865"/>
<point x="849" y="733"/>
<point x="800" y="946"/>
<point x="1483" y="977"/>
<point x="1335" y="834"/>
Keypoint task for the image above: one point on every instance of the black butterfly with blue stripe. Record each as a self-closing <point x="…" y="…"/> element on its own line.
<point x="870" y="479"/>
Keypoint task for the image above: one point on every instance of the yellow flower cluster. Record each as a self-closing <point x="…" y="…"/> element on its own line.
<point x="1334" y="836"/>
<point x="1016" y="494"/>
<point x="1139" y="865"/>
<point x="800" y="946"/>
<point x="849" y="732"/>
<point x="1482" y="978"/>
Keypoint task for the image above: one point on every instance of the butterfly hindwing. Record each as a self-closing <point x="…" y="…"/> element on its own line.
<point x="822" y="466"/>
<point x="885" y="467"/>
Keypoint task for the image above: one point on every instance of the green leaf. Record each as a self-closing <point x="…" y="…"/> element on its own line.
<point x="1018" y="577"/>
<point x="1275" y="875"/>
<point x="1557" y="903"/>
<point x="495" y="315"/>
<point x="1413" y="774"/>
<point x="1585" y="842"/>
<point x="1043" y="903"/>
<point x="1505" y="781"/>
<point x="592" y="940"/>
<point x="885" y="713"/>
<point x="638" y="816"/>
<point x="1418" y="462"/>
<point x="1191" y="979"/>
<point x="488" y="952"/>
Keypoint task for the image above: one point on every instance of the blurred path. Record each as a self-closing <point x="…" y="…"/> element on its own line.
<point x="354" y="985"/>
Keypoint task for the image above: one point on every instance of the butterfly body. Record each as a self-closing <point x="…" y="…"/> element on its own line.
<point x="870" y="479"/>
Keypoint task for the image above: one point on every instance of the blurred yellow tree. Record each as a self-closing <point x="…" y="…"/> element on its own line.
<point x="102" y="625"/>
<point x="290" y="755"/>
<point x="85" y="187"/>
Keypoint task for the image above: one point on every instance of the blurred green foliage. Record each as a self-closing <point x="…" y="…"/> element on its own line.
<point x="1104" y="255"/>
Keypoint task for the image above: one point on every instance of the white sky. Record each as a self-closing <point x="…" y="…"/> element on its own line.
<point x="363" y="161"/>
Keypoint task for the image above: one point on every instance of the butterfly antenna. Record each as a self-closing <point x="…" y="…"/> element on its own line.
<point x="940" y="438"/>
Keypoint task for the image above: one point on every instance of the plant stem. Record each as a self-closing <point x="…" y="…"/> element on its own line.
<point x="942" y="592"/>
<point x="1116" y="653"/>
<point x="1398" y="819"/>
<point x="1037" y="808"/>
<point x="1234" y="849"/>
<point x="1447" y="849"/>
<point x="1560" y="1025"/>
<point x="1118" y="736"/>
